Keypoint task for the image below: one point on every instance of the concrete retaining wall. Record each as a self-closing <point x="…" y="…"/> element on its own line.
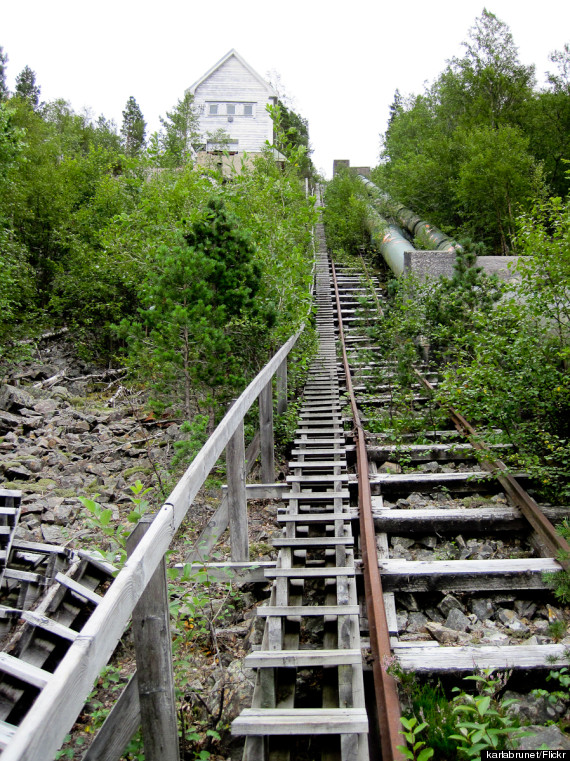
<point x="432" y="264"/>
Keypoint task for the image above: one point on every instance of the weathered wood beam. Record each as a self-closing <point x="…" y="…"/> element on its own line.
<point x="153" y="649"/>
<point x="237" y="499"/>
<point x="266" y="434"/>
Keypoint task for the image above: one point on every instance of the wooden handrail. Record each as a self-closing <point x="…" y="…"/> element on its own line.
<point x="43" y="729"/>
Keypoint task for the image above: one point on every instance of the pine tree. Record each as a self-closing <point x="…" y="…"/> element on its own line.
<point x="190" y="299"/>
<point x="133" y="129"/>
<point x="26" y="87"/>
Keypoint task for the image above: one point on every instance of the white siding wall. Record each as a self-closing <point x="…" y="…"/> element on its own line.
<point x="233" y="83"/>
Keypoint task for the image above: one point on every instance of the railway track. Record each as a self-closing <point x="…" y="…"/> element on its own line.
<point x="449" y="550"/>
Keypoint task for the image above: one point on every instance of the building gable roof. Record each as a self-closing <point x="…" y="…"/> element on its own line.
<point x="270" y="91"/>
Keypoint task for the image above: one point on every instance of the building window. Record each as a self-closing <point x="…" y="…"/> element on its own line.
<point x="213" y="109"/>
<point x="248" y="109"/>
<point x="230" y="109"/>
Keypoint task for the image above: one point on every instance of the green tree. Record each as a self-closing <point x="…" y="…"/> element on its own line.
<point x="494" y="82"/>
<point x="547" y="122"/>
<point x="26" y="87"/>
<point x="292" y="134"/>
<point x="180" y="131"/>
<point x="497" y="176"/>
<point x="133" y="128"/>
<point x="194" y="292"/>
<point x="346" y="213"/>
<point x="4" y="93"/>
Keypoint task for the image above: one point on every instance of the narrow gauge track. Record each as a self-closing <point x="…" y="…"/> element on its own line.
<point x="441" y="614"/>
<point x="458" y="564"/>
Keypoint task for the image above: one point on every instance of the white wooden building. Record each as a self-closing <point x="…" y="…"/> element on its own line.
<point x="232" y="97"/>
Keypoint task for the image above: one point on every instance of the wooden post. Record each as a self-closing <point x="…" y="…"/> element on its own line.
<point x="281" y="376"/>
<point x="237" y="499"/>
<point x="153" y="648"/>
<point x="266" y="435"/>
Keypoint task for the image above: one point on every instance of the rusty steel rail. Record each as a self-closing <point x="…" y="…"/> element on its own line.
<point x="555" y="543"/>
<point x="387" y="701"/>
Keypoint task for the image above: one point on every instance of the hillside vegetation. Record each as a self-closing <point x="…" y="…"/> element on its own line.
<point x="482" y="142"/>
<point x="190" y="277"/>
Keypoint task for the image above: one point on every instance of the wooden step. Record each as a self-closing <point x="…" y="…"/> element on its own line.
<point x="308" y="610"/>
<point x="314" y="541"/>
<point x="300" y="721"/>
<point x="468" y="658"/>
<point x="301" y="658"/>
<point x="316" y="496"/>
<point x="78" y="589"/>
<point x="336" y="452"/>
<point x="49" y="625"/>
<point x="423" y="520"/>
<point x="427" y="576"/>
<point x="316" y="517"/>
<point x="327" y="478"/>
<point x="303" y="572"/>
<point x="312" y="464"/>
<point x="23" y="671"/>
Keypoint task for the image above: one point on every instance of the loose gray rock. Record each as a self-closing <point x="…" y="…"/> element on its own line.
<point x="448" y="603"/>
<point x="483" y="609"/>
<point x="536" y="709"/>
<point x="509" y="619"/>
<point x="550" y="736"/>
<point x="52" y="534"/>
<point x="457" y="620"/>
<point x="444" y="635"/>
<point x="390" y="467"/>
<point x="416" y="622"/>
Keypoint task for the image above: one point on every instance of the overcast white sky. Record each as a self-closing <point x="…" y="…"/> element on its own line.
<point x="340" y="61"/>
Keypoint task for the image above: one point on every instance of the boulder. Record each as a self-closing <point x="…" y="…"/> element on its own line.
<point x="550" y="737"/>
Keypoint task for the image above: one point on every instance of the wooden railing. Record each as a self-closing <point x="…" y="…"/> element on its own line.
<point x="56" y="708"/>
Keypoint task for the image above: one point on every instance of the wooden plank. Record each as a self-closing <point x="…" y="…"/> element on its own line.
<point x="311" y="464"/>
<point x="422" y="520"/>
<point x="23" y="671"/>
<point x="315" y="496"/>
<point x="27" y="576"/>
<point x="281" y="383"/>
<point x="314" y="541"/>
<point x="119" y="726"/>
<point x="266" y="434"/>
<point x="303" y="572"/>
<point x="79" y="589"/>
<point x="48" y="624"/>
<point x="153" y="650"/>
<point x="51" y="549"/>
<point x="327" y="478"/>
<point x="302" y="658"/>
<point x="316" y="517"/>
<point x="6" y="733"/>
<point x="317" y="444"/>
<point x="308" y="610"/>
<point x="466" y="658"/>
<point x="425" y="576"/>
<point x="237" y="499"/>
<point x="300" y="721"/>
<point x="333" y="452"/>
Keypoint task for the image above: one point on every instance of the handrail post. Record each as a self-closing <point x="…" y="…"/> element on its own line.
<point x="237" y="498"/>
<point x="266" y="434"/>
<point x="153" y="648"/>
<point x="281" y="376"/>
